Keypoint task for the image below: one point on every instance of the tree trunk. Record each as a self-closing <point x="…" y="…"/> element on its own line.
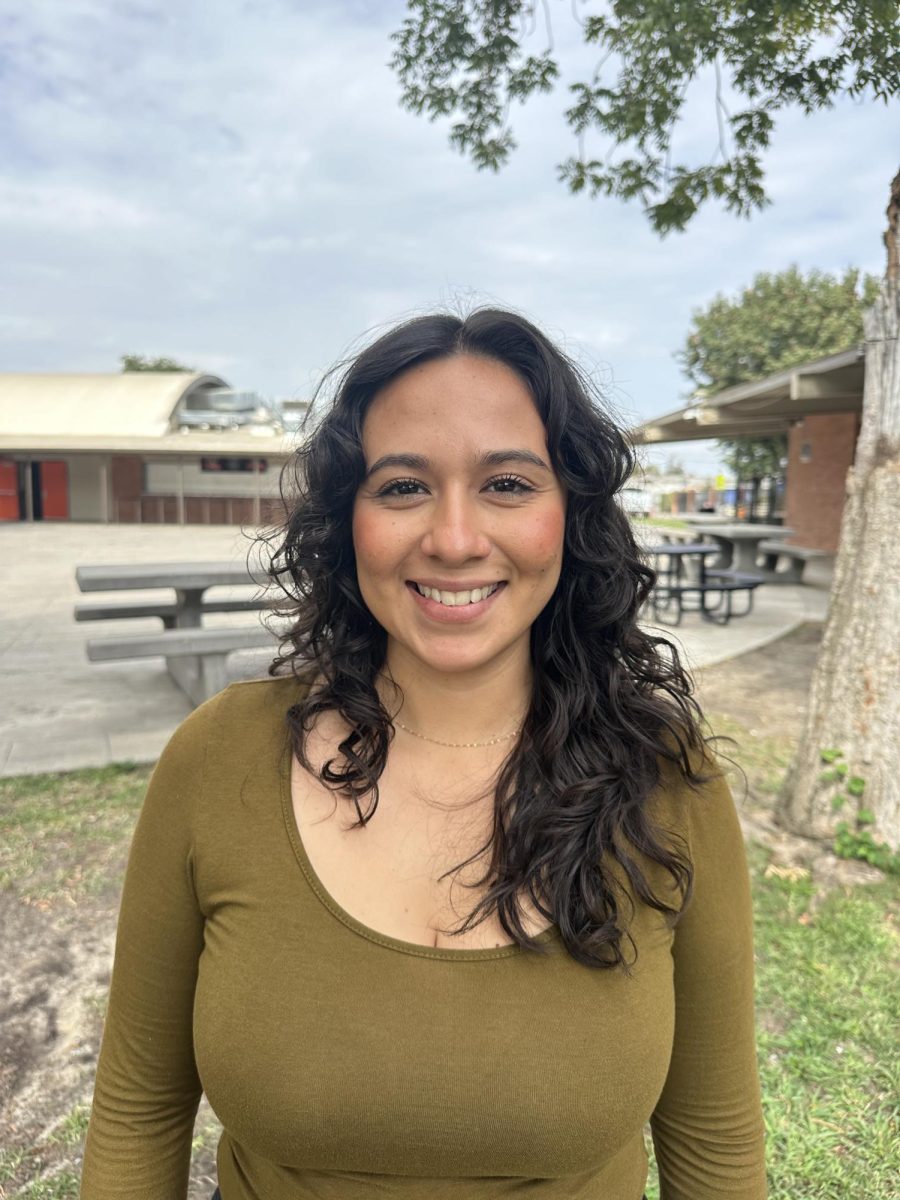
<point x="754" y="497"/>
<point x="772" y="497"/>
<point x="854" y="703"/>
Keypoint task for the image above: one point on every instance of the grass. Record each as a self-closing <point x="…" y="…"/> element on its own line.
<point x="763" y="759"/>
<point x="45" y="1184"/>
<point x="663" y="522"/>
<point x="64" y="1185"/>
<point x="73" y="1127"/>
<point x="828" y="1016"/>
<point x="62" y="837"/>
<point x="11" y="1162"/>
<point x="828" y="1007"/>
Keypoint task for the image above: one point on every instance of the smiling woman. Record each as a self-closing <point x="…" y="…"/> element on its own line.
<point x="458" y="520"/>
<point x="537" y="936"/>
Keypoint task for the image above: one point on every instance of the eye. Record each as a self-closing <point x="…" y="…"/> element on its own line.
<point x="400" y="487"/>
<point x="503" y="485"/>
<point x="510" y="485"/>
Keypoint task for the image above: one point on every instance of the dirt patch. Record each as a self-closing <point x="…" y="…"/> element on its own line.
<point x="63" y="847"/>
<point x="55" y="978"/>
<point x="767" y="690"/>
<point x="761" y="699"/>
<point x="56" y="972"/>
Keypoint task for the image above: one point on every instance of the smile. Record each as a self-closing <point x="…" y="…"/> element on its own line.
<point x="456" y="599"/>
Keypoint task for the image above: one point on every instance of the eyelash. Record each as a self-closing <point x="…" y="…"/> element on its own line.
<point x="389" y="492"/>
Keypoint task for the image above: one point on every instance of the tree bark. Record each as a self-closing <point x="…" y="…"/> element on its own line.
<point x="854" y="702"/>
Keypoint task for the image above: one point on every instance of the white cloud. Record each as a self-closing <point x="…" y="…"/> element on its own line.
<point x="240" y="178"/>
<point x="49" y="205"/>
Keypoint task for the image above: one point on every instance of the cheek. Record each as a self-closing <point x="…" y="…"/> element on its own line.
<point x="543" y="546"/>
<point x="375" y="540"/>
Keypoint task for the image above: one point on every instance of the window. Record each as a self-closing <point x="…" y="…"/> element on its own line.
<point x="244" y="465"/>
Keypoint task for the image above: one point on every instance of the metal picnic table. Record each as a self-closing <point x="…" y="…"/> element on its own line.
<point x="739" y="544"/>
<point x="189" y="579"/>
<point x="195" y="657"/>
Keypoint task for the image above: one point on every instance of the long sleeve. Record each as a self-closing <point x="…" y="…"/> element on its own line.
<point x="708" y="1127"/>
<point x="147" y="1090"/>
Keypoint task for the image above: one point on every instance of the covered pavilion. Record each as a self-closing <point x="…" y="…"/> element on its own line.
<point x="817" y="404"/>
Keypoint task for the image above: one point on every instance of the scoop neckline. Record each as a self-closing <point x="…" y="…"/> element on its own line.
<point x="508" y="950"/>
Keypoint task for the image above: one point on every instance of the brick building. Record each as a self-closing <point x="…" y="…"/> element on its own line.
<point x="818" y="405"/>
<point x="137" y="447"/>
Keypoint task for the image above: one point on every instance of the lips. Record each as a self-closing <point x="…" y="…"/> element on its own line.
<point x="460" y="611"/>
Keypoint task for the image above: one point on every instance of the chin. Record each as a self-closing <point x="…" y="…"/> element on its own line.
<point x="456" y="660"/>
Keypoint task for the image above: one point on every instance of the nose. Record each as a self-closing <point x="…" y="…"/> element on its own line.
<point x="456" y="531"/>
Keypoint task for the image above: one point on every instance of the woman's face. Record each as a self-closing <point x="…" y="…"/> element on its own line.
<point x="458" y="527"/>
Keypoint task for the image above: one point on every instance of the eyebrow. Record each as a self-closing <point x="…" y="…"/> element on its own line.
<point x="493" y="458"/>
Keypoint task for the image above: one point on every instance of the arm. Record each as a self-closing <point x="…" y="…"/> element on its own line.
<point x="147" y="1089"/>
<point x="708" y="1127"/>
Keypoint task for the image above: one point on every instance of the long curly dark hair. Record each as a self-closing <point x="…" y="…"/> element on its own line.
<point x="610" y="703"/>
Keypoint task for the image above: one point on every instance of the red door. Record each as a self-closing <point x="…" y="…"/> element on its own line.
<point x="54" y="491"/>
<point x="9" y="491"/>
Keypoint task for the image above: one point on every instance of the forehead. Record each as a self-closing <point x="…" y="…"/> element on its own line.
<point x="453" y="405"/>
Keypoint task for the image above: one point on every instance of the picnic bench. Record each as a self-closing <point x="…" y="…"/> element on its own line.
<point x="739" y="544"/>
<point x="799" y="556"/>
<point x="711" y="591"/>
<point x="665" y="533"/>
<point x="168" y="612"/>
<point x="196" y="657"/>
<point x="720" y="611"/>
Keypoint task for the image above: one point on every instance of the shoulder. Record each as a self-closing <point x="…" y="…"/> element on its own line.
<point x="258" y="702"/>
<point x="243" y="716"/>
<point x="686" y="806"/>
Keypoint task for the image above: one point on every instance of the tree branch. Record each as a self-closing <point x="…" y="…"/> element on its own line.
<point x="890" y="234"/>
<point x="549" y="26"/>
<point x="720" y="108"/>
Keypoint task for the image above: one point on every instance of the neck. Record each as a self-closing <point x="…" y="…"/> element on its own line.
<point x="464" y="706"/>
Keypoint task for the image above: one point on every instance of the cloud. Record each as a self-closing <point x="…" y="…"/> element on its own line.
<point x="240" y="178"/>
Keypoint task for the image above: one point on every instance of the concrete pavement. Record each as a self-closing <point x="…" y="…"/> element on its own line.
<point x="62" y="712"/>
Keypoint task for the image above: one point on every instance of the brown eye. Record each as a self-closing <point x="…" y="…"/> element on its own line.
<point x="510" y="485"/>
<point x="400" y="487"/>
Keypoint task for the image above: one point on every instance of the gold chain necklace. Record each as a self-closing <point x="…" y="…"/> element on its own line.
<point x="506" y="737"/>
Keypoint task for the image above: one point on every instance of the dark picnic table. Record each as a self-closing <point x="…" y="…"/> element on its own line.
<point x="687" y="575"/>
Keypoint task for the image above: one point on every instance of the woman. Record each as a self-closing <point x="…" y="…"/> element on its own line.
<point x="457" y="901"/>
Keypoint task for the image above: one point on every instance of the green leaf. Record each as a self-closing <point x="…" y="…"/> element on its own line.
<point x="865" y="816"/>
<point x="468" y="60"/>
<point x="828" y="756"/>
<point x="855" y="785"/>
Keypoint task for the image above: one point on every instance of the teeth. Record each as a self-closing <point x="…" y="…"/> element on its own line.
<point x="453" y="599"/>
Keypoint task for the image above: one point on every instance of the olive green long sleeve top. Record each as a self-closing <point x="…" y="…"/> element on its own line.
<point x="343" y="1063"/>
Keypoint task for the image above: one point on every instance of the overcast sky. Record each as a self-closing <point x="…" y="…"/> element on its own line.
<point x="235" y="185"/>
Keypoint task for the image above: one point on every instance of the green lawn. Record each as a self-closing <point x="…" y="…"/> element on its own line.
<point x="827" y="997"/>
<point x="63" y="837"/>
<point x="663" y="522"/>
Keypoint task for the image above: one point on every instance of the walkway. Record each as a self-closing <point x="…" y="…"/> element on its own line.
<point x="62" y="712"/>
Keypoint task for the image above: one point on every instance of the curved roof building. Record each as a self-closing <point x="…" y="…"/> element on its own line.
<point x="136" y="446"/>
